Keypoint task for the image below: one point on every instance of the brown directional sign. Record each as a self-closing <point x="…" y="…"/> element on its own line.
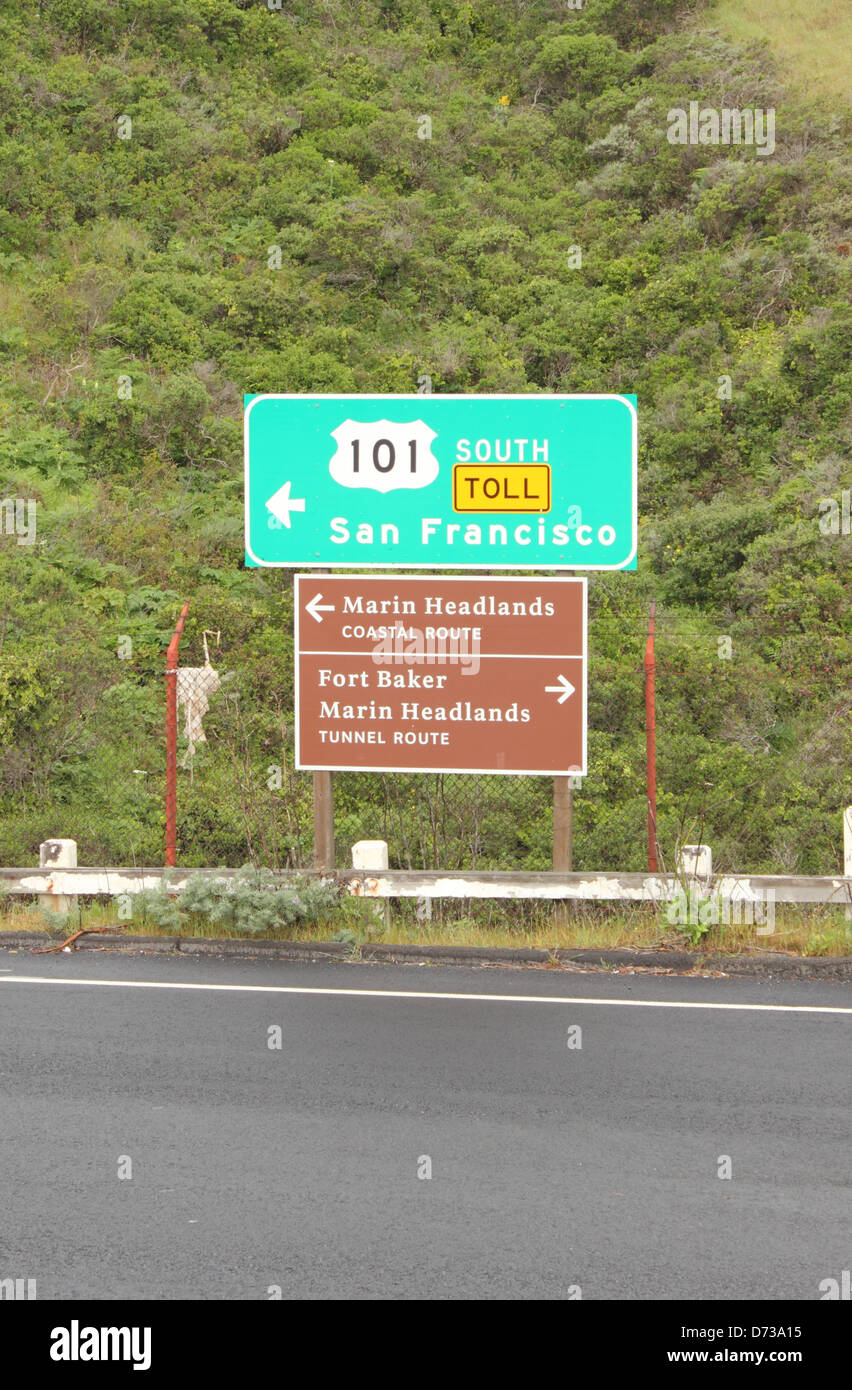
<point x="412" y="674"/>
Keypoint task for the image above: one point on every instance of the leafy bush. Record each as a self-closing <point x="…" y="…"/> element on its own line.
<point x="251" y="903"/>
<point x="454" y="258"/>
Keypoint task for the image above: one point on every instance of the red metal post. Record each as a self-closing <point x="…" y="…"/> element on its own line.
<point x="171" y="739"/>
<point x="651" y="741"/>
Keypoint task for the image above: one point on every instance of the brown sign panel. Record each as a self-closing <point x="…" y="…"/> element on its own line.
<point x="412" y="674"/>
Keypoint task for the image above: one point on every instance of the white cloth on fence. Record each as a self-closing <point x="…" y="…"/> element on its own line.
<point x="194" y="685"/>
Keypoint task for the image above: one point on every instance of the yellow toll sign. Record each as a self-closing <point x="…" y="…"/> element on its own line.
<point x="501" y="487"/>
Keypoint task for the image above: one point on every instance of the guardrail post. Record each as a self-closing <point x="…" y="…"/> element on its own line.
<point x="57" y="854"/>
<point x="372" y="856"/>
<point x="696" y="861"/>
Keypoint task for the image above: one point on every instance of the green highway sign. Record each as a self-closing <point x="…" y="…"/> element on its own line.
<point x="441" y="482"/>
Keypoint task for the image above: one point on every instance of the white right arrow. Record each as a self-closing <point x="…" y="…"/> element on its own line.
<point x="315" y="608"/>
<point x="563" y="689"/>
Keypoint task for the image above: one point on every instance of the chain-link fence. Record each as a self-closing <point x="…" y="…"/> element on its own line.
<point x="446" y="820"/>
<point x="251" y="802"/>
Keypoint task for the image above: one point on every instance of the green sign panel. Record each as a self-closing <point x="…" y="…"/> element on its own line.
<point x="441" y="482"/>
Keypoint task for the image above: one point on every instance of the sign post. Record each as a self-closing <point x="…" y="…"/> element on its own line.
<point x="441" y="482"/>
<point x="402" y="673"/>
<point x="563" y="824"/>
<point x="323" y="821"/>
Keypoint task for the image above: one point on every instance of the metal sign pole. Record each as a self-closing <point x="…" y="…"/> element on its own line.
<point x="323" y="821"/>
<point x="651" y="742"/>
<point x="171" y="740"/>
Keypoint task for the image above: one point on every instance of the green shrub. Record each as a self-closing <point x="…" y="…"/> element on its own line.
<point x="251" y="903"/>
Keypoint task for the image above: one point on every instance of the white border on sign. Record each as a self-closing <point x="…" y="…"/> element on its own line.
<point x="443" y="579"/>
<point x="430" y="564"/>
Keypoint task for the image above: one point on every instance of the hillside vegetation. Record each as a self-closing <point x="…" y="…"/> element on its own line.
<point x="138" y="304"/>
<point x="811" y="39"/>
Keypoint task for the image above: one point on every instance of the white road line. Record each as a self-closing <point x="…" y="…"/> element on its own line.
<point x="432" y="994"/>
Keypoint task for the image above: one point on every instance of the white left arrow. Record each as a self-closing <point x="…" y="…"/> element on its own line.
<point x="281" y="504"/>
<point x="563" y="689"/>
<point x="315" y="608"/>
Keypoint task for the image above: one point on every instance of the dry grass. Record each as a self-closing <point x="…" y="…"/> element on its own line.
<point x="800" y="931"/>
<point x="811" y="39"/>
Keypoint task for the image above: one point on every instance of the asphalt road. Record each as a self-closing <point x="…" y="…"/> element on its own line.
<point x="552" y="1168"/>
